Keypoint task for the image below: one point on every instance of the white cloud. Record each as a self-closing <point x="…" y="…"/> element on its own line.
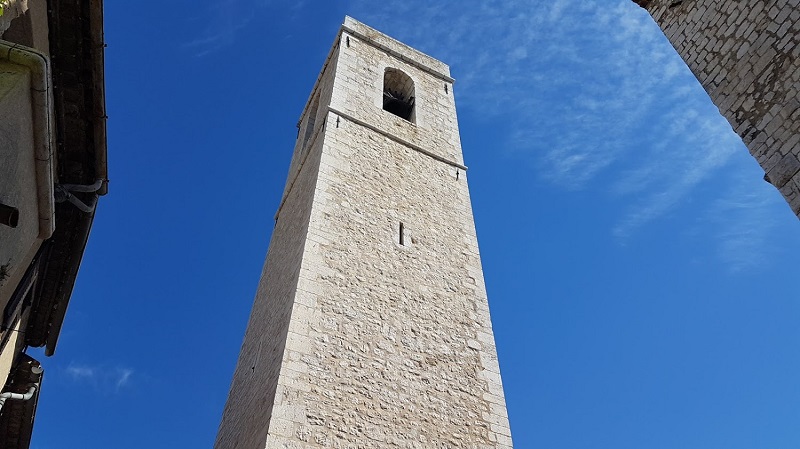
<point x="577" y="78"/>
<point x="222" y="21"/>
<point x="80" y="372"/>
<point x="101" y="377"/>
<point x="123" y="377"/>
<point x="745" y="218"/>
<point x="675" y="171"/>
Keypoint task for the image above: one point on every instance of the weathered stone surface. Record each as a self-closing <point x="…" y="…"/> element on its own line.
<point x="371" y="325"/>
<point x="747" y="57"/>
<point x="783" y="171"/>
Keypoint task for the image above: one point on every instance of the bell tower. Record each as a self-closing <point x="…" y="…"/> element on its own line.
<point x="371" y="327"/>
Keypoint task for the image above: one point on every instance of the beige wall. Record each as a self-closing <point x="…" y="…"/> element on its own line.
<point x="14" y="345"/>
<point x="356" y="341"/>
<point x="17" y="185"/>
<point x="17" y="175"/>
<point x="24" y="22"/>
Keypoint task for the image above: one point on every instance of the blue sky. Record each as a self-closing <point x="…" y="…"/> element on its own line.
<point x="641" y="274"/>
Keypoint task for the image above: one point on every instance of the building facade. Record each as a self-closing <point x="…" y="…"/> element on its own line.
<point x="371" y="327"/>
<point x="746" y="54"/>
<point x="52" y="170"/>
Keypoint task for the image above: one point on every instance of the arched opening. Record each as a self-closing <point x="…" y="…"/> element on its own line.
<point x="398" y="94"/>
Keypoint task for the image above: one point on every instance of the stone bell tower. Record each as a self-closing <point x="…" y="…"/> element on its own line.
<point x="370" y="327"/>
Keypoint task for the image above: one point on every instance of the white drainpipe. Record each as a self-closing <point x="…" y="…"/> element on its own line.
<point x="37" y="373"/>
<point x="17" y="396"/>
<point x="43" y="127"/>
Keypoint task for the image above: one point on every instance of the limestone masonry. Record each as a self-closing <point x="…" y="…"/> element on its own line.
<point x="747" y="56"/>
<point x="370" y="327"/>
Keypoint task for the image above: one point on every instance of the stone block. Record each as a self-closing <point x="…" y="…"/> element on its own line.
<point x="783" y="171"/>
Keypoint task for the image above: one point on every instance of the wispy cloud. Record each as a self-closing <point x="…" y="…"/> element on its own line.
<point x="224" y="20"/>
<point x="123" y="377"/>
<point x="100" y="377"/>
<point x="744" y="218"/>
<point x="594" y="94"/>
<point x="579" y="79"/>
<point x="80" y="372"/>
<point x="675" y="171"/>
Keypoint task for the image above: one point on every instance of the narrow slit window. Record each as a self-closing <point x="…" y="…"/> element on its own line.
<point x="401" y="238"/>
<point x="398" y="94"/>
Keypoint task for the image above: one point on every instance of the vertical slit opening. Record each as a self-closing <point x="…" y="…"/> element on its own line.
<point x="402" y="237"/>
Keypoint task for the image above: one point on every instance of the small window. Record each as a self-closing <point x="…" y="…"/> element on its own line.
<point x="398" y="94"/>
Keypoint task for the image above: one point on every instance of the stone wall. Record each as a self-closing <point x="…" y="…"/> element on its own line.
<point x="246" y="418"/>
<point x="389" y="342"/>
<point x="746" y="54"/>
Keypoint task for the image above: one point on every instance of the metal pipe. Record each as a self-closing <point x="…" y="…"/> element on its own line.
<point x="64" y="193"/>
<point x="84" y="188"/>
<point x="9" y="216"/>
<point x="88" y="208"/>
<point x="17" y="396"/>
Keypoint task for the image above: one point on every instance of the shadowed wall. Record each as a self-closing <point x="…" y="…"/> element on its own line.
<point x="746" y="56"/>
